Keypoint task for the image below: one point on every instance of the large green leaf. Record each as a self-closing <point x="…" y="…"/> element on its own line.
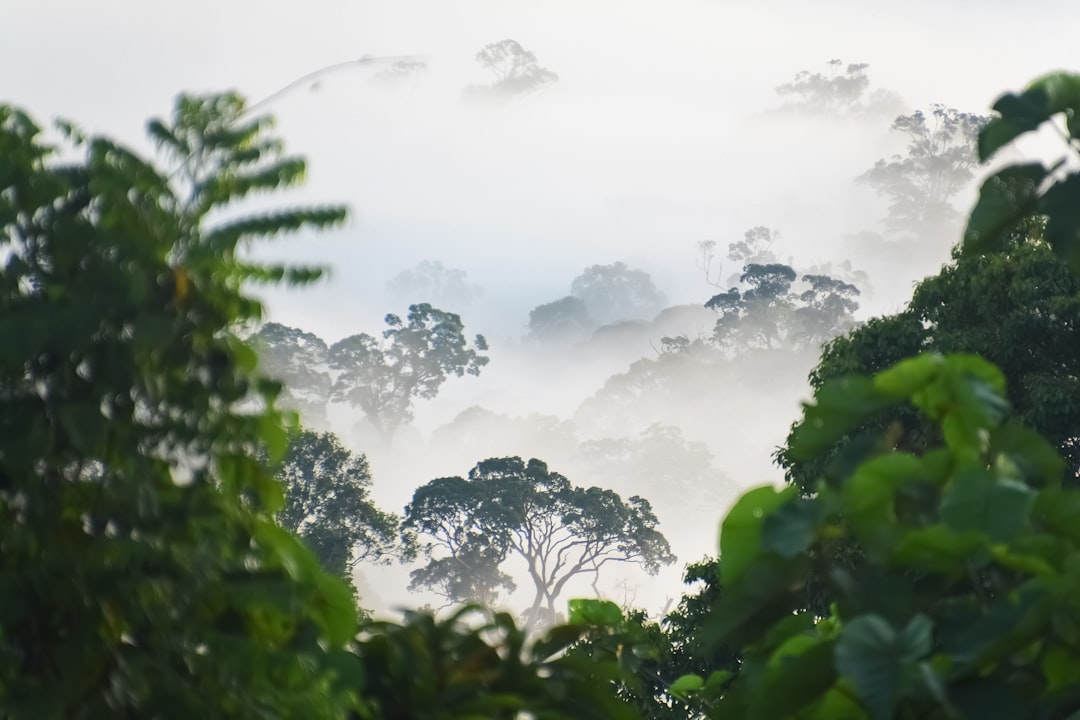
<point x="978" y="500"/>
<point x="1005" y="198"/>
<point x="1018" y="114"/>
<point x="794" y="680"/>
<point x="593" y="611"/>
<point x="878" y="660"/>
<point x="741" y="530"/>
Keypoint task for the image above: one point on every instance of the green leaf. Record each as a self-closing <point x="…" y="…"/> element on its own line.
<point x="978" y="500"/>
<point x="297" y="560"/>
<point x="1005" y="198"/>
<point x="1018" y="114"/>
<point x="741" y="530"/>
<point x="868" y="496"/>
<point x="686" y="684"/>
<point x="906" y="377"/>
<point x="591" y="611"/>
<point x="790" y="529"/>
<point x="938" y="549"/>
<point x="839" y="406"/>
<point x="336" y="609"/>
<point x="800" y="671"/>
<point x="877" y="659"/>
<point x="1028" y="453"/>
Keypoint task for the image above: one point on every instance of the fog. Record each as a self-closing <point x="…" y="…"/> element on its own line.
<point x="664" y="130"/>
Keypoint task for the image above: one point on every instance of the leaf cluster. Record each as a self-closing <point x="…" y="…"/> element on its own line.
<point x="961" y="604"/>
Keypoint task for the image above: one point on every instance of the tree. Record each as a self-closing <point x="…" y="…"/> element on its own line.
<point x="769" y="314"/>
<point x="566" y="320"/>
<point x="841" y="90"/>
<point x="434" y="284"/>
<point x="1015" y="307"/>
<point x="383" y="377"/>
<point x="142" y="572"/>
<point x="617" y="292"/>
<point x="516" y="72"/>
<point x="508" y="507"/>
<point x="300" y="360"/>
<point x="328" y="504"/>
<point x="920" y="185"/>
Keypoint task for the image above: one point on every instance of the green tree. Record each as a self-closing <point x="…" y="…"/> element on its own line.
<point x="328" y="504"/>
<point x="142" y="574"/>
<point x="507" y="507"/>
<point x="1015" y="307"/>
<point x="940" y="162"/>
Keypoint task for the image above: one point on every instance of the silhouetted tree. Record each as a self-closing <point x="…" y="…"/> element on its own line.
<point x="516" y="71"/>
<point x="412" y="360"/>
<point x="509" y="507"/>
<point x="328" y="504"/>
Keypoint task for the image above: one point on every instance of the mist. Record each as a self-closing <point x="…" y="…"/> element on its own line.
<point x="663" y="131"/>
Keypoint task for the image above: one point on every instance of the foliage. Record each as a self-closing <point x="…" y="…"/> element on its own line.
<point x="516" y="72"/>
<point x="962" y="604"/>
<point x="142" y="574"/>
<point x="382" y="377"/>
<point x="507" y="507"/>
<point x="617" y="292"/>
<point x="1029" y="191"/>
<point x="1015" y="307"/>
<point x="841" y="90"/>
<point x="434" y="284"/>
<point x="940" y="161"/>
<point x="770" y="313"/>
<point x="479" y="664"/>
<point x="328" y="504"/>
<point x="299" y="360"/>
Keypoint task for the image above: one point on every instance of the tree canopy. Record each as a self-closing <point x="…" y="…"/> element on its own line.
<point x="381" y="376"/>
<point x="413" y="359"/>
<point x="328" y="504"/>
<point x="505" y="507"/>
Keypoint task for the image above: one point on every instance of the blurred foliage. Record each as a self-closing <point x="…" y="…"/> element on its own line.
<point x="477" y="663"/>
<point x="141" y="572"/>
<point x="1019" y="192"/>
<point x="962" y="602"/>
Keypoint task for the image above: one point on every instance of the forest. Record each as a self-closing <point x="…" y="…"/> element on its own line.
<point x="209" y="510"/>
